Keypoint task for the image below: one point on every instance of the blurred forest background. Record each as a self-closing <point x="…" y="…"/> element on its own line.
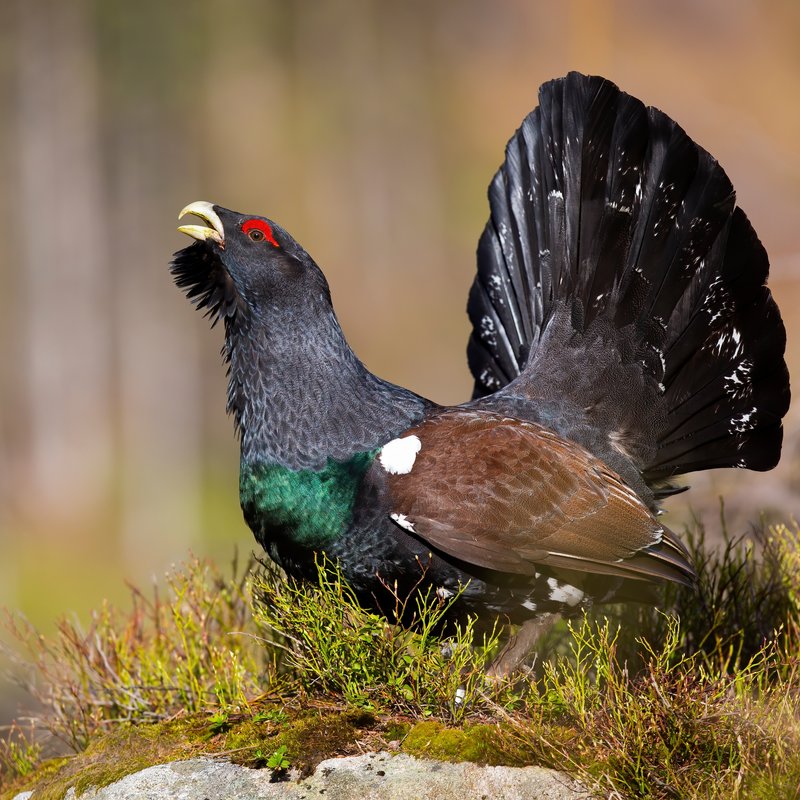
<point x="370" y="130"/>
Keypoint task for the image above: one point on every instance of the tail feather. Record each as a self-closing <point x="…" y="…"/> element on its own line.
<point x="733" y="369"/>
<point x="606" y="215"/>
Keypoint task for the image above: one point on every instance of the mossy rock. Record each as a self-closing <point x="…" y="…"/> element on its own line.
<point x="309" y="737"/>
<point x="111" y="757"/>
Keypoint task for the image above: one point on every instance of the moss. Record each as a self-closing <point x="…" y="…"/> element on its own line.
<point x="308" y="738"/>
<point x="43" y="771"/>
<point x="113" y="756"/>
<point x="246" y="736"/>
<point x="776" y="783"/>
<point x="248" y="739"/>
<point x="480" y="744"/>
<point x="396" y="731"/>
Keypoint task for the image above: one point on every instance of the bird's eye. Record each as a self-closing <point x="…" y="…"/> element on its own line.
<point x="259" y="231"/>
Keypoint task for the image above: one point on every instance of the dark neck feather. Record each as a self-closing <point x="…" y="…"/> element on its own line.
<point x="300" y="396"/>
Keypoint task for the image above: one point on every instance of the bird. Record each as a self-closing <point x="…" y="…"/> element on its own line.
<point x="622" y="335"/>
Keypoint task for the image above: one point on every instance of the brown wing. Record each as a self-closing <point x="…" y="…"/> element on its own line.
<point x="510" y="495"/>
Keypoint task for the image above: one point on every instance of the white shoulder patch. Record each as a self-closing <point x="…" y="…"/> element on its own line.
<point x="398" y="456"/>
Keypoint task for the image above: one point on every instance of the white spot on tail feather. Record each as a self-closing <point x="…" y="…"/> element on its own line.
<point x="564" y="593"/>
<point x="398" y="456"/>
<point x="738" y="384"/>
<point x="744" y="422"/>
<point x="502" y="232"/>
<point x="488" y="380"/>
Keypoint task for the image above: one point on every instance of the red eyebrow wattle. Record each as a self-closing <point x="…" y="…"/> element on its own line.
<point x="260" y="225"/>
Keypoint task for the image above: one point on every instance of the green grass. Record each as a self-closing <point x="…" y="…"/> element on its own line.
<point x="184" y="650"/>
<point x="703" y="701"/>
<point x="333" y="647"/>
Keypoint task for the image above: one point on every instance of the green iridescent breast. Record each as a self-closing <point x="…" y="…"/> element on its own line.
<point x="307" y="507"/>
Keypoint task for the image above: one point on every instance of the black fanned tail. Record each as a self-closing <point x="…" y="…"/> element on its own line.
<point x="616" y="271"/>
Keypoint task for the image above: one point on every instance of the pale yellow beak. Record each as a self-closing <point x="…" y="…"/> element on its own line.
<point x="206" y="212"/>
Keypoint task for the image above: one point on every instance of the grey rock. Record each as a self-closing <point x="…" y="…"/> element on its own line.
<point x="373" y="776"/>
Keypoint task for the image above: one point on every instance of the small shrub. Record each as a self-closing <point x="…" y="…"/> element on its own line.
<point x="746" y="596"/>
<point x="19" y="752"/>
<point x="675" y="725"/>
<point x="333" y="645"/>
<point x="167" y="655"/>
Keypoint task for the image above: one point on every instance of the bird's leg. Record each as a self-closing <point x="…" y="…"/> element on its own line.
<point x="519" y="647"/>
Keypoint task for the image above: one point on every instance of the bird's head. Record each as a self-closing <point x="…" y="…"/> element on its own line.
<point x="242" y="264"/>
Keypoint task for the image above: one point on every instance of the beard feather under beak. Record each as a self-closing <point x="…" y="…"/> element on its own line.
<point x="200" y="274"/>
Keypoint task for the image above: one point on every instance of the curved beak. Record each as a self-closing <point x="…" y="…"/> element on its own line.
<point x="206" y="212"/>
